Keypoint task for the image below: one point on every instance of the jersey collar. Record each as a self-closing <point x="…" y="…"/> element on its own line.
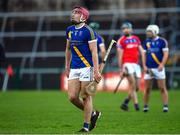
<point x="156" y="38"/>
<point x="80" y="26"/>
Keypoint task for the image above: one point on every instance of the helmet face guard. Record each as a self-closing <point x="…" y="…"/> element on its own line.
<point x="84" y="13"/>
<point x="127" y="28"/>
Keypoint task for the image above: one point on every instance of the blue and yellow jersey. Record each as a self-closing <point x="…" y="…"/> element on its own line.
<point x="100" y="42"/>
<point x="79" y="39"/>
<point x="154" y="51"/>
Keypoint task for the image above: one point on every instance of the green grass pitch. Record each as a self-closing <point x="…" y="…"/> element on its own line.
<point x="51" y="112"/>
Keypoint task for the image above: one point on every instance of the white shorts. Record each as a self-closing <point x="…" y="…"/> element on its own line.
<point x="83" y="74"/>
<point x="154" y="73"/>
<point x="133" y="68"/>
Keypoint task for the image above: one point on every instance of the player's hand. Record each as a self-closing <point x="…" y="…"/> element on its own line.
<point x="67" y="71"/>
<point x="160" y="67"/>
<point x="121" y="74"/>
<point x="97" y="76"/>
<point x="145" y="69"/>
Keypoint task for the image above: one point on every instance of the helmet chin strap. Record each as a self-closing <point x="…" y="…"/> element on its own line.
<point x="153" y="36"/>
<point x="81" y="20"/>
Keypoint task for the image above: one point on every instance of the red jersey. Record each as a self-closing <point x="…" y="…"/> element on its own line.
<point x="130" y="45"/>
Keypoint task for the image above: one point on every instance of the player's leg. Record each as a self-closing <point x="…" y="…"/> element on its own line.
<point x="128" y="98"/>
<point x="149" y="75"/>
<point x="124" y="105"/>
<point x="133" y="93"/>
<point x="73" y="93"/>
<point x="138" y="76"/>
<point x="131" y="79"/>
<point x="90" y="116"/>
<point x="74" y="88"/>
<point x="88" y="106"/>
<point x="160" y="76"/>
<point x="162" y="86"/>
<point x="137" y="81"/>
<point x="148" y="85"/>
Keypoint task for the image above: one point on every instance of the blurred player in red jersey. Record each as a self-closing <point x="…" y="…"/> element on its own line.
<point x="128" y="47"/>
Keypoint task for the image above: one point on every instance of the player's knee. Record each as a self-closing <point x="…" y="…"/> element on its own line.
<point x="132" y="81"/>
<point x="138" y="88"/>
<point x="162" y="89"/>
<point x="132" y="84"/>
<point x="133" y="87"/>
<point x="73" y="98"/>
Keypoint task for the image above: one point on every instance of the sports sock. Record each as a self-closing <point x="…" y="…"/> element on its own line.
<point x="136" y="106"/>
<point x="86" y="126"/>
<point x="145" y="106"/>
<point x="126" y="101"/>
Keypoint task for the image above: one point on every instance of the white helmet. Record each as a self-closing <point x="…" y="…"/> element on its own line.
<point x="153" y="28"/>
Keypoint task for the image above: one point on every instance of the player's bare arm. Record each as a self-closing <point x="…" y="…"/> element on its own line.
<point x="142" y="52"/>
<point x="67" y="58"/>
<point x="164" y="60"/>
<point x="120" y="54"/>
<point x="93" y="48"/>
